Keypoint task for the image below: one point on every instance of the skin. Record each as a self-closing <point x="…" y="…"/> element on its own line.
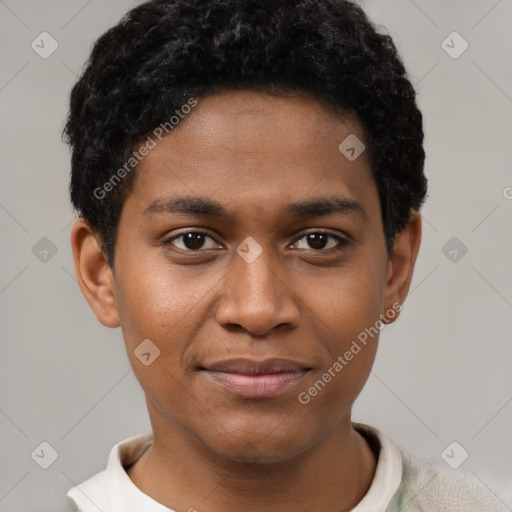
<point x="254" y="154"/>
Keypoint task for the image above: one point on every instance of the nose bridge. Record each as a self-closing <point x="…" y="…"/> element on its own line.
<point x="256" y="277"/>
<point x="255" y="297"/>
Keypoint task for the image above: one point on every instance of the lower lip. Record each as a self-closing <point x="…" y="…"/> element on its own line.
<point x="257" y="386"/>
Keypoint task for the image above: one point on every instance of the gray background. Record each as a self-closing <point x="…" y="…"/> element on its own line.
<point x="444" y="370"/>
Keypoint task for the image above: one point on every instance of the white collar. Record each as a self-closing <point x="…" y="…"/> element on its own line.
<point x="112" y="490"/>
<point x="388" y="473"/>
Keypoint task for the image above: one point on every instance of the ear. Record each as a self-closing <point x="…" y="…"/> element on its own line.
<point x="93" y="274"/>
<point x="401" y="267"/>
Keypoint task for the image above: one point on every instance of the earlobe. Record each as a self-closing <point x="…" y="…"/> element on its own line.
<point x="401" y="266"/>
<point x="93" y="274"/>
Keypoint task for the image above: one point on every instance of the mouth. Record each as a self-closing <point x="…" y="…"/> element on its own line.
<point x="256" y="379"/>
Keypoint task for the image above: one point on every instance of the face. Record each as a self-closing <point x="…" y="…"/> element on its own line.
<point x="251" y="254"/>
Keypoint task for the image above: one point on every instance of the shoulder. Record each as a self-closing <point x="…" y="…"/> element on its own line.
<point x="112" y="487"/>
<point x="90" y="495"/>
<point x="427" y="487"/>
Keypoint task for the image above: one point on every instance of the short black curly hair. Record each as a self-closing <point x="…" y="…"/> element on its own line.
<point x="164" y="51"/>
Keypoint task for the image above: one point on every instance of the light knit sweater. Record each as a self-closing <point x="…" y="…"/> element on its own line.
<point x="401" y="484"/>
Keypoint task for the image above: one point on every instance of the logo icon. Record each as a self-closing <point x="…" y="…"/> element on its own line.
<point x="454" y="45"/>
<point x="44" y="45"/>
<point x="45" y="455"/>
<point x="454" y="455"/>
<point x="352" y="147"/>
<point x="249" y="249"/>
<point x="44" y="250"/>
<point x="146" y="352"/>
<point x="454" y="250"/>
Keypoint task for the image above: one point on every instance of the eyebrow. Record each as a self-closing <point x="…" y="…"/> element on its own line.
<point x="319" y="207"/>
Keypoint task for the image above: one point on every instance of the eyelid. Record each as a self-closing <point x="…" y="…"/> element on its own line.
<point x="323" y="230"/>
<point x="186" y="231"/>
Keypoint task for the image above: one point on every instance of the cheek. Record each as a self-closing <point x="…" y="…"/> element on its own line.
<point x="348" y="331"/>
<point x="346" y="303"/>
<point x="346" y="313"/>
<point x="156" y="303"/>
<point x="154" y="300"/>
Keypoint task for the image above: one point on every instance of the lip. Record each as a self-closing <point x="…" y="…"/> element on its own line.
<point x="248" y="378"/>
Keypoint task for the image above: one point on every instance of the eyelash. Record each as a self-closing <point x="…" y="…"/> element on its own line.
<point x="342" y="242"/>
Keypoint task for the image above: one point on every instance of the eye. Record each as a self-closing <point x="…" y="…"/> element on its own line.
<point x="321" y="240"/>
<point x="191" y="241"/>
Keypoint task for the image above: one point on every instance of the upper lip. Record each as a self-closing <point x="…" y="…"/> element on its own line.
<point x="253" y="367"/>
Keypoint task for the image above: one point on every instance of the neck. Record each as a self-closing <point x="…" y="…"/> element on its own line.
<point x="181" y="474"/>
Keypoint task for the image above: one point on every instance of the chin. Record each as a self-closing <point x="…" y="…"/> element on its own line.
<point x="262" y="447"/>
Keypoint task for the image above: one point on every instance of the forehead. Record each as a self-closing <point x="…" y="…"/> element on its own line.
<point x="244" y="146"/>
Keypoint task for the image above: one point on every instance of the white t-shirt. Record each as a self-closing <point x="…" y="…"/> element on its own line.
<point x="400" y="483"/>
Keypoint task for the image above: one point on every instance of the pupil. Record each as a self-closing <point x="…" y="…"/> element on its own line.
<point x="317" y="240"/>
<point x="193" y="240"/>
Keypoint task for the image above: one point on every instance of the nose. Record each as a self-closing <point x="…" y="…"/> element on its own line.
<point x="256" y="298"/>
